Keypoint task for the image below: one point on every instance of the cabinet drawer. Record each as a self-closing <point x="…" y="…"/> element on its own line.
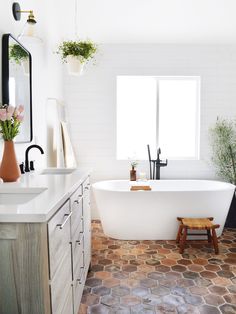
<point x="76" y="218"/>
<point x="78" y="232"/>
<point x="77" y="249"/>
<point x="79" y="285"/>
<point x="87" y="242"/>
<point x="79" y="271"/>
<point x="61" y="284"/>
<point x="59" y="237"/>
<point x="86" y="195"/>
<point x="77" y="194"/>
<point x="78" y="259"/>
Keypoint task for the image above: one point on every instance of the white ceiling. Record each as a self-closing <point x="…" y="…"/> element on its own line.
<point x="157" y="21"/>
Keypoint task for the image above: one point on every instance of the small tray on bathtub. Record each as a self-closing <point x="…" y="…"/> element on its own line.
<point x="140" y="188"/>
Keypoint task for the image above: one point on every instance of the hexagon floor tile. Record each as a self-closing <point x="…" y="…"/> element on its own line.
<point x="142" y="277"/>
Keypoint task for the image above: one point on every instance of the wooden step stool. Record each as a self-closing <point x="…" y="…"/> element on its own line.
<point x="196" y="224"/>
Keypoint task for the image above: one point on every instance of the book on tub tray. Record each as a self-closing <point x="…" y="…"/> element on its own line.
<point x="140" y="186"/>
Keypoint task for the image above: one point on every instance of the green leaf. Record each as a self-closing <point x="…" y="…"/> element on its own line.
<point x="17" y="53"/>
<point x="84" y="50"/>
<point x="223" y="144"/>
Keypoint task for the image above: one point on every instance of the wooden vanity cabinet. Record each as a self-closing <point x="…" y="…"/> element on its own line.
<point x="71" y="253"/>
<point x="43" y="266"/>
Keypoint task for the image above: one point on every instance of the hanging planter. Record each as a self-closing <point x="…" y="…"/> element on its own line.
<point x="76" y="54"/>
<point x="74" y="65"/>
<point x="19" y="56"/>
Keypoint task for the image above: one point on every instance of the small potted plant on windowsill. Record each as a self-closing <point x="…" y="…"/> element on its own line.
<point x="19" y="56"/>
<point x="76" y="54"/>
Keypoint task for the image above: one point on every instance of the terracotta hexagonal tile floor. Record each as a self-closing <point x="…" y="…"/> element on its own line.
<point x="152" y="277"/>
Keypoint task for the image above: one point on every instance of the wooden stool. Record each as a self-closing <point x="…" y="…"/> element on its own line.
<point x="197" y="224"/>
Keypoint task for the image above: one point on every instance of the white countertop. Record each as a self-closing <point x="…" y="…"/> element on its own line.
<point x="58" y="188"/>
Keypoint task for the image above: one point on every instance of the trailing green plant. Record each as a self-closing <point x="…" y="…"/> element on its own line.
<point x="223" y="142"/>
<point x="84" y="50"/>
<point x="17" y="53"/>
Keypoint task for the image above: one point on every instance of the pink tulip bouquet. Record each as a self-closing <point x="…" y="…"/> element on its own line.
<point x="10" y="120"/>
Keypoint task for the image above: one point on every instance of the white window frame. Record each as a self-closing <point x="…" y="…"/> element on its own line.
<point x="197" y="117"/>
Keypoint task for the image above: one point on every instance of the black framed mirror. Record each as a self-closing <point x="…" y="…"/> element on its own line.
<point x="17" y="82"/>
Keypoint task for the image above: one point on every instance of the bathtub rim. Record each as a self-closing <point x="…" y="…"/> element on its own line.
<point x="225" y="186"/>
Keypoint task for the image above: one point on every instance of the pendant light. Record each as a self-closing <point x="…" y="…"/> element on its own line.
<point x="29" y="32"/>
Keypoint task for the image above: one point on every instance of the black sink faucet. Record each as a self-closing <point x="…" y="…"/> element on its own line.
<point x="156" y="164"/>
<point x="27" y="168"/>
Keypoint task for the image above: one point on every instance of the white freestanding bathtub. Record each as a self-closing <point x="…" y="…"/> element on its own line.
<point x="151" y="215"/>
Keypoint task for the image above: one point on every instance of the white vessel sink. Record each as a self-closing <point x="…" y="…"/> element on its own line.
<point x="14" y="195"/>
<point x="58" y="171"/>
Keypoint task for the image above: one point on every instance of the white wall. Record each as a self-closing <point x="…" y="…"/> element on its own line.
<point x="47" y="67"/>
<point x="91" y="101"/>
<point x="39" y="69"/>
<point x="158" y="21"/>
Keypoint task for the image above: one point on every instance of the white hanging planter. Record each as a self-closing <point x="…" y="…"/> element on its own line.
<point x="74" y="65"/>
<point x="25" y="66"/>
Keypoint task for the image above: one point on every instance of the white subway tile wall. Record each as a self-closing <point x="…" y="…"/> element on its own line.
<point x="91" y="102"/>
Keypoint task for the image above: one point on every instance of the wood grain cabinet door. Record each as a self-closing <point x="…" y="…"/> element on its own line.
<point x="68" y="308"/>
<point x="24" y="276"/>
<point x="61" y="285"/>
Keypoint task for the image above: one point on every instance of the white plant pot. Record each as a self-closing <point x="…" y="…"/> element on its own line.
<point x="74" y="65"/>
<point x="25" y="65"/>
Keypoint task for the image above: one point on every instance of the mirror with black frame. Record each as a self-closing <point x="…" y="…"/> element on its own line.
<point x="16" y="82"/>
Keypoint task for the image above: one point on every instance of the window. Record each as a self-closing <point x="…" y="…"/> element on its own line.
<point x="160" y="111"/>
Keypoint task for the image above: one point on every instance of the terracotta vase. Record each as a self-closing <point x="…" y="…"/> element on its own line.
<point x="9" y="169"/>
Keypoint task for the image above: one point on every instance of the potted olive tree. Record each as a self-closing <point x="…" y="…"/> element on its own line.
<point x="19" y="56"/>
<point x="76" y="54"/>
<point x="223" y="142"/>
